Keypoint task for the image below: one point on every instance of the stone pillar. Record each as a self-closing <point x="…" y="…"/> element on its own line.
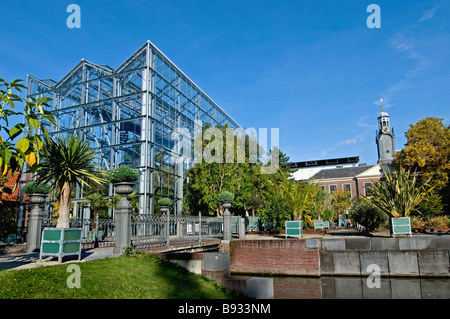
<point x="167" y="227"/>
<point x="123" y="218"/>
<point x="226" y="221"/>
<point x="199" y="227"/>
<point x="35" y="218"/>
<point x="242" y="228"/>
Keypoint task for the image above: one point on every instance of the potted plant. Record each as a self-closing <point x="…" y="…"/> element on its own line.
<point x="36" y="192"/>
<point x="225" y="198"/>
<point x="123" y="178"/>
<point x="164" y="204"/>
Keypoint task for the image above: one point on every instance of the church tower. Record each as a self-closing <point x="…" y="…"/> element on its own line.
<point x="385" y="138"/>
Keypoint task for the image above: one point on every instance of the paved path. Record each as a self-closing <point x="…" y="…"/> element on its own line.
<point x="23" y="261"/>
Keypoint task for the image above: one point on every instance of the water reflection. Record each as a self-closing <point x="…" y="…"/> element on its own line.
<point x="357" y="288"/>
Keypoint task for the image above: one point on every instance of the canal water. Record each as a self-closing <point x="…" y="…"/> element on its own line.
<point x="360" y="288"/>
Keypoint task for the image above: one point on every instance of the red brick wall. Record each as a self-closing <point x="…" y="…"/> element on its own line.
<point x="297" y="288"/>
<point x="284" y="257"/>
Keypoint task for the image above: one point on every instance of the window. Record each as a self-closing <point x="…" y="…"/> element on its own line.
<point x="347" y="187"/>
<point x="366" y="191"/>
<point x="333" y="188"/>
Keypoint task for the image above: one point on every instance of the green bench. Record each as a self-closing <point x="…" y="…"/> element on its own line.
<point x="61" y="242"/>
<point x="318" y="224"/>
<point x="400" y="226"/>
<point x="293" y="228"/>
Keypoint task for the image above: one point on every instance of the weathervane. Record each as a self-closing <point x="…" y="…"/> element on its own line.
<point x="382" y="107"/>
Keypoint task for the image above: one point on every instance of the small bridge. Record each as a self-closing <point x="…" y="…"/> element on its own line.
<point x="149" y="231"/>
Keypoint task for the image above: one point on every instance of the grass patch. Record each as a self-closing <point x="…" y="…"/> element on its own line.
<point x="139" y="276"/>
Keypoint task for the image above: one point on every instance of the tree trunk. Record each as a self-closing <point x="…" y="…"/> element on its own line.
<point x="64" y="207"/>
<point x="95" y="218"/>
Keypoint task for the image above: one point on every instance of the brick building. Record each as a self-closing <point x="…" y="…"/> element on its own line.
<point x="353" y="179"/>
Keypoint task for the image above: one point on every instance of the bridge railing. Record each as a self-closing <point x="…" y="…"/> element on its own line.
<point x="149" y="230"/>
<point x="166" y="229"/>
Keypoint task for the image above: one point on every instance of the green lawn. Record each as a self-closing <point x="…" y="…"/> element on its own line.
<point x="137" y="277"/>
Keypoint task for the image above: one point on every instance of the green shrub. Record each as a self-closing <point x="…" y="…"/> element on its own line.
<point x="225" y="196"/>
<point x="123" y="173"/>
<point x="164" y="202"/>
<point x="34" y="188"/>
<point x="437" y="222"/>
<point x="368" y="215"/>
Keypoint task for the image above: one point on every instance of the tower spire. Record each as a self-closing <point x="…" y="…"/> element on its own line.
<point x="382" y="107"/>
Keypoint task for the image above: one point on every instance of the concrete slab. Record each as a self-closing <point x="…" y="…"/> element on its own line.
<point x="384" y="244"/>
<point x="260" y="288"/>
<point x="333" y="244"/>
<point x="435" y="289"/>
<point x="374" y="261"/>
<point x="412" y="243"/>
<point x="327" y="262"/>
<point x="348" y="288"/>
<point x="312" y="243"/>
<point x="438" y="243"/>
<point x="405" y="288"/>
<point x="216" y="261"/>
<point x="346" y="263"/>
<point x="434" y="263"/>
<point x="383" y="291"/>
<point x="358" y="244"/>
<point x="403" y="263"/>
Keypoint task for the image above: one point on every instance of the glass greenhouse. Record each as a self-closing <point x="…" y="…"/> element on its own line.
<point x="128" y="114"/>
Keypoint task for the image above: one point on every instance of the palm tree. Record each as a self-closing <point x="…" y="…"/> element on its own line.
<point x="97" y="201"/>
<point x="400" y="193"/>
<point x="68" y="162"/>
<point x="298" y="195"/>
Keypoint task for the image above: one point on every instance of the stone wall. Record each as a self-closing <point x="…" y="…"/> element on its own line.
<point x="284" y="257"/>
<point x="416" y="256"/>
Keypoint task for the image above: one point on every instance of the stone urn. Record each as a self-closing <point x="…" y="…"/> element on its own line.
<point x="164" y="209"/>
<point x="123" y="188"/>
<point x="36" y="198"/>
<point x="226" y="205"/>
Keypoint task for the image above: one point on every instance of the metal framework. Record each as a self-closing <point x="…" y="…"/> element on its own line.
<point x="128" y="115"/>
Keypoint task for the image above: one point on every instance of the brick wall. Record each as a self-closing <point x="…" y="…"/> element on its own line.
<point x="286" y="257"/>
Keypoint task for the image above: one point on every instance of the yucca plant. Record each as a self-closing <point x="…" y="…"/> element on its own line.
<point x="400" y="193"/>
<point x="67" y="162"/>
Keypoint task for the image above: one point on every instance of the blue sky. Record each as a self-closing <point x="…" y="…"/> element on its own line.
<point x="313" y="69"/>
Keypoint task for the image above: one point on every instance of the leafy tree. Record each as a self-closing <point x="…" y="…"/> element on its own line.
<point x="341" y="201"/>
<point x="15" y="151"/>
<point x="319" y="202"/>
<point x="206" y="179"/>
<point x="368" y="214"/>
<point x="427" y="150"/>
<point x="400" y="193"/>
<point x="8" y="222"/>
<point x="298" y="195"/>
<point x="67" y="162"/>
